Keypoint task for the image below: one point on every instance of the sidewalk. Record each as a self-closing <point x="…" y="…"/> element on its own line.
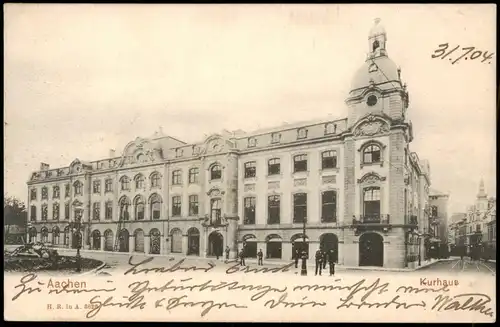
<point x="268" y="262"/>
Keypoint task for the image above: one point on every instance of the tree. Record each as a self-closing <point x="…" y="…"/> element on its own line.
<point x="14" y="213"/>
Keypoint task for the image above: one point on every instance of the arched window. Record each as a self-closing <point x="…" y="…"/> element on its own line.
<point x="215" y="206"/>
<point x="139" y="208"/>
<point x="376" y="45"/>
<point x="252" y="142"/>
<point x="155" y="206"/>
<point x="139" y="182"/>
<point x="155" y="180"/>
<point x="371" y="154"/>
<point x="124" y="208"/>
<point x="55" y="211"/>
<point x="78" y="186"/>
<point x="330" y="128"/>
<point x="215" y="172"/>
<point x="125" y="183"/>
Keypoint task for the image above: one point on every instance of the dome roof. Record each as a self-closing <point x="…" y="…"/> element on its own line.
<point x="377" y="29"/>
<point x="379" y="70"/>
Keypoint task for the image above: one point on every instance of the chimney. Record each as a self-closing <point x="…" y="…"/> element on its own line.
<point x="112" y="153"/>
<point x="44" y="166"/>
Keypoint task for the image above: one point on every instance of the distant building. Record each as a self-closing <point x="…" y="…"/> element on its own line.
<point x="439" y="222"/>
<point x="353" y="184"/>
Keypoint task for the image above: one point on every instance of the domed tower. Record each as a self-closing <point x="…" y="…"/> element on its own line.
<point x="377" y="86"/>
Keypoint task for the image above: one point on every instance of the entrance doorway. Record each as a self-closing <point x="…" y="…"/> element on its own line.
<point x="215" y="244"/>
<point x="273" y="248"/>
<point x="330" y="242"/>
<point x="96" y="240"/>
<point x="123" y="238"/>
<point x="193" y="241"/>
<point x="371" y="250"/>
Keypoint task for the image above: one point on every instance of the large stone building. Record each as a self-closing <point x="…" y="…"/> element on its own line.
<point x="439" y="222"/>
<point x="352" y="183"/>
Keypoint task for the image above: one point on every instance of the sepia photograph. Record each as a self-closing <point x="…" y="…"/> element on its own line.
<point x="319" y="163"/>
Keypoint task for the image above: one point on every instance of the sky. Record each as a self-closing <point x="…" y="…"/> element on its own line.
<point x="85" y="78"/>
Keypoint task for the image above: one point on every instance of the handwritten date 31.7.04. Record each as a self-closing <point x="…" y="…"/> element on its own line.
<point x="466" y="53"/>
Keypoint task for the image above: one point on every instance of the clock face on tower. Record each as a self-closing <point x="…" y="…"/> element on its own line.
<point x="215" y="146"/>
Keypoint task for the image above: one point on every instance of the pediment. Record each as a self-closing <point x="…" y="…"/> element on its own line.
<point x="370" y="178"/>
<point x="216" y="143"/>
<point x="140" y="151"/>
<point x="215" y="191"/>
<point x="77" y="203"/>
<point x="371" y="125"/>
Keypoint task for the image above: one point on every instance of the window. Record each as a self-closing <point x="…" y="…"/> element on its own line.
<point x="193" y="175"/>
<point x="78" y="188"/>
<point x="108" y="214"/>
<point x="55" y="192"/>
<point x="45" y="193"/>
<point x="299" y="207"/>
<point x="193" y="205"/>
<point x="273" y="209"/>
<point x="371" y="203"/>
<point x="155" y="201"/>
<point x="125" y="182"/>
<point x="215" y="211"/>
<point x="376" y="45"/>
<point x="178" y="153"/>
<point x="273" y="166"/>
<point x="249" y="211"/>
<point x="215" y="172"/>
<point x="275" y="138"/>
<point x="44" y="212"/>
<point x="96" y="187"/>
<point x="250" y="169"/>
<point x="33" y="194"/>
<point x="96" y="211"/>
<point x="330" y="128"/>
<point x="139" y="182"/>
<point x="434" y="211"/>
<point x="300" y="163"/>
<point x="329" y="159"/>
<point x="329" y="207"/>
<point x="55" y="211"/>
<point x="176" y="177"/>
<point x="371" y="154"/>
<point x="301" y="133"/>
<point x="139" y="208"/>
<point x="66" y="211"/>
<point x="252" y="142"/>
<point x="176" y="206"/>
<point x="108" y="185"/>
<point x="155" y="180"/>
<point x="124" y="209"/>
<point x="67" y="191"/>
<point x="371" y="101"/>
<point x="33" y="213"/>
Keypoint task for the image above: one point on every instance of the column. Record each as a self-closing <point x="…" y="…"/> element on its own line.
<point x="262" y="246"/>
<point x="231" y="241"/>
<point x="351" y="254"/>
<point x="163" y="245"/>
<point x="51" y="237"/>
<point x="203" y="243"/>
<point x="131" y="243"/>
<point x="147" y="243"/>
<point x="286" y="250"/>
<point x="184" y="244"/>
<point x="341" y="252"/>
<point x="70" y="239"/>
<point x="102" y="240"/>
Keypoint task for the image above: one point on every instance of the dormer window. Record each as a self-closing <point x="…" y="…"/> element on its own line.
<point x="252" y="142"/>
<point x="302" y="133"/>
<point x="330" y="128"/>
<point x="178" y="153"/>
<point x="275" y="138"/>
<point x="376" y="45"/>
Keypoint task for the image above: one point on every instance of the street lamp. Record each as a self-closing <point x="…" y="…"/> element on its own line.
<point x="303" y="270"/>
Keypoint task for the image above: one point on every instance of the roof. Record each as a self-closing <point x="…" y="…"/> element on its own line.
<point x="434" y="192"/>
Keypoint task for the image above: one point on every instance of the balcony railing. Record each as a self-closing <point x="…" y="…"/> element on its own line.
<point x="371" y="219"/>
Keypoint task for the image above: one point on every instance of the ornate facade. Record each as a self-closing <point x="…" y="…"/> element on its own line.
<point x="353" y="183"/>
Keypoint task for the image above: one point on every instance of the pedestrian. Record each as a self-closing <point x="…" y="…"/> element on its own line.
<point x="242" y="258"/>
<point x="260" y="255"/>
<point x="325" y="258"/>
<point x="319" y="262"/>
<point x="227" y="253"/>
<point x="296" y="257"/>
<point x="331" y="262"/>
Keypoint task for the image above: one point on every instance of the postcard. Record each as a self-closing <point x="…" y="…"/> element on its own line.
<point x="250" y="163"/>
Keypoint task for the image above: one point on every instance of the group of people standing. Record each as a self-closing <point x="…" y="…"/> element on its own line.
<point x="321" y="257"/>
<point x="241" y="256"/>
